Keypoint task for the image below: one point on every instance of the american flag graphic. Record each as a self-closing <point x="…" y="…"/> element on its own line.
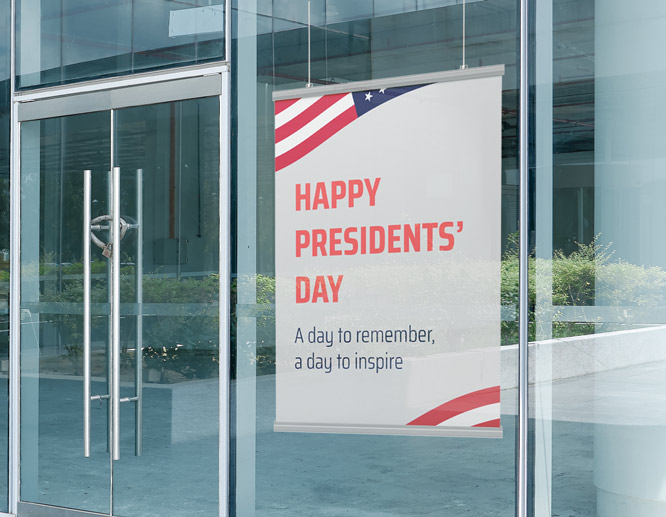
<point x="301" y="125"/>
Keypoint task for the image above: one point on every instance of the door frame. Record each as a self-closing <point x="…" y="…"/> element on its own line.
<point x="210" y="80"/>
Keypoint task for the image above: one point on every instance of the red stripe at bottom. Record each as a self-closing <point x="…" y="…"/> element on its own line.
<point x="458" y="406"/>
<point x="489" y="423"/>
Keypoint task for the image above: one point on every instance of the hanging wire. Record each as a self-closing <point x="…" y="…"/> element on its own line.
<point x="309" y="83"/>
<point x="464" y="19"/>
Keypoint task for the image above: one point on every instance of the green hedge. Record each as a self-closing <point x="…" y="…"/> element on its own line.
<point x="586" y="277"/>
<point x="187" y="345"/>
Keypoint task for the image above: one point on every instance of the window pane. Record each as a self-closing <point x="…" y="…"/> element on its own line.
<point x="333" y="474"/>
<point x="599" y="261"/>
<point x="61" y="42"/>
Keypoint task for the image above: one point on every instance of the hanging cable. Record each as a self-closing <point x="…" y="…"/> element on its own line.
<point x="309" y="83"/>
<point x="464" y="63"/>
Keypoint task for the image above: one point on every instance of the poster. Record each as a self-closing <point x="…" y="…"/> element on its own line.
<point x="388" y="252"/>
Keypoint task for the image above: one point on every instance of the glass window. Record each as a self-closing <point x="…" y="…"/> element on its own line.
<point x="326" y="474"/>
<point x="598" y="259"/>
<point x="61" y="42"/>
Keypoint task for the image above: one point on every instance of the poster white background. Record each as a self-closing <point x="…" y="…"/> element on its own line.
<point x="437" y="150"/>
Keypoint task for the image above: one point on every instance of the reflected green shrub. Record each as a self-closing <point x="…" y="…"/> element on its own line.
<point x="586" y="277"/>
<point x="184" y="346"/>
<point x="625" y="284"/>
<point x="260" y="352"/>
<point x="181" y="344"/>
<point x="180" y="347"/>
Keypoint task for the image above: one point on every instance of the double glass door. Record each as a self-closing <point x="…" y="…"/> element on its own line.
<point x="120" y="221"/>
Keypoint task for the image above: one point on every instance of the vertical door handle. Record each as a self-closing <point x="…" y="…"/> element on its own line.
<point x="115" y="315"/>
<point x="138" y="364"/>
<point x="86" y="313"/>
<point x="109" y="294"/>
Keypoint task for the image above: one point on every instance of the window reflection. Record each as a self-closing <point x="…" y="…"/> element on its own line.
<point x="60" y="42"/>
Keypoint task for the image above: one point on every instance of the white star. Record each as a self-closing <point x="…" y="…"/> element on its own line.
<point x="368" y="96"/>
<point x="382" y="90"/>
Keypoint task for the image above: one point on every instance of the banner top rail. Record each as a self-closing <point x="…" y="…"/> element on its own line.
<point x="389" y="82"/>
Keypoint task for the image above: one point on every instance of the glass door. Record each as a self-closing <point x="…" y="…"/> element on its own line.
<point x="54" y="469"/>
<point x="120" y="233"/>
<point x="168" y="157"/>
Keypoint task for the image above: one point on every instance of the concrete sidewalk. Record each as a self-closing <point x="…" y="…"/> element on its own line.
<point x="346" y="475"/>
<point x="340" y="475"/>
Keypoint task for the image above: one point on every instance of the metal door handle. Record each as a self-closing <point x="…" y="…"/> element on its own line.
<point x="86" y="313"/>
<point x="115" y="316"/>
<point x="117" y="228"/>
<point x="138" y="353"/>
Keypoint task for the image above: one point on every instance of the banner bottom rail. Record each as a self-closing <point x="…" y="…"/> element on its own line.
<point x="398" y="430"/>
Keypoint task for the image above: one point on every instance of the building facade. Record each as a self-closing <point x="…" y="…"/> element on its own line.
<point x="139" y="369"/>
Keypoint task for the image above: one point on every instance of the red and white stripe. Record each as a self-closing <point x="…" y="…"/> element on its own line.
<point x="301" y="125"/>
<point x="475" y="409"/>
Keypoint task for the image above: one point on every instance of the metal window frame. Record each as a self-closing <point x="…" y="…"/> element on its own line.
<point x="76" y="101"/>
<point x="523" y="310"/>
<point x="116" y="83"/>
<point x="14" y="282"/>
<point x="26" y="105"/>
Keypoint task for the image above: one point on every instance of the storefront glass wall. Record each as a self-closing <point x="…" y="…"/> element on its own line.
<point x="597" y="269"/>
<point x="598" y="259"/>
<point x="316" y="474"/>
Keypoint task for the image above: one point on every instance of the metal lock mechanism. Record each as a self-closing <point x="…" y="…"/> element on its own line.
<point x="107" y="248"/>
